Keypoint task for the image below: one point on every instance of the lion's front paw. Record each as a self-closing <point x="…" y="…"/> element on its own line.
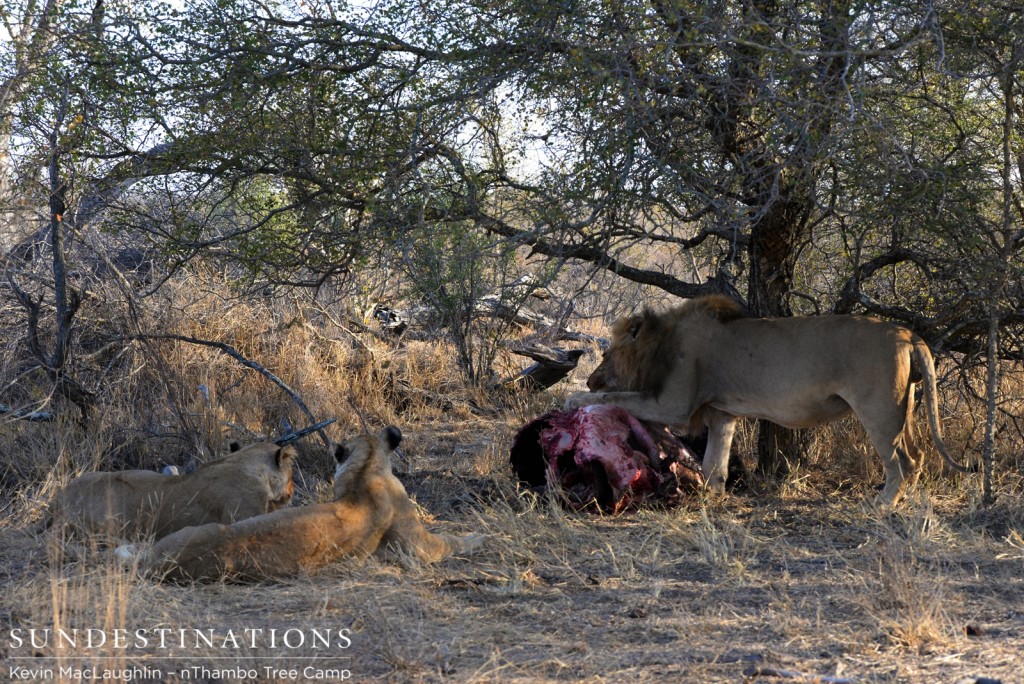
<point x="578" y="400"/>
<point x="714" y="484"/>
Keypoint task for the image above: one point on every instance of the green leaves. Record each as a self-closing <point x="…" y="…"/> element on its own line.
<point x="612" y="130"/>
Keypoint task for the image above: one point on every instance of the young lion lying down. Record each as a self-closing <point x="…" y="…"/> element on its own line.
<point x="371" y="512"/>
<point x="135" y="503"/>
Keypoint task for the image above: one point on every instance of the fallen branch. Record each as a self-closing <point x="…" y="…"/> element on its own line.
<point x="552" y="364"/>
<point x="573" y="336"/>
<point x="25" y="414"/>
<point x="493" y="306"/>
<point x="759" y="671"/>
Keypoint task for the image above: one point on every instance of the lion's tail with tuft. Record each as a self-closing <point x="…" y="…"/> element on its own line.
<point x="468" y="544"/>
<point x="926" y="365"/>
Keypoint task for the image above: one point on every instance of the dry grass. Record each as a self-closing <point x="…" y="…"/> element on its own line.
<point x="802" y="577"/>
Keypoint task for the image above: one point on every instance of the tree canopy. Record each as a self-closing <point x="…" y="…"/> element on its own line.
<point x="801" y="155"/>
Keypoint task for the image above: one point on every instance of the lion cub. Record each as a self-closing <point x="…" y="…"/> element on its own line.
<point x="137" y="503"/>
<point x="371" y="513"/>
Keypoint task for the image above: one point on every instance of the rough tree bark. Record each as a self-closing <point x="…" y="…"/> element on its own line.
<point x="773" y="250"/>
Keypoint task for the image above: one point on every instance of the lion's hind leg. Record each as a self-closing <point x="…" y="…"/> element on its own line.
<point x="427" y="547"/>
<point x="889" y="426"/>
<point x="911" y="458"/>
<point x="902" y="466"/>
<point x="410" y="538"/>
<point x="431" y="548"/>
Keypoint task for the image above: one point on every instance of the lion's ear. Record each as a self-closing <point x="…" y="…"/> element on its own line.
<point x="341" y="454"/>
<point x="233" y="447"/>
<point x="393" y="436"/>
<point x="284" y="455"/>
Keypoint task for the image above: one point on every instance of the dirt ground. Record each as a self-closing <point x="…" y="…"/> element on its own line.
<point x="805" y="580"/>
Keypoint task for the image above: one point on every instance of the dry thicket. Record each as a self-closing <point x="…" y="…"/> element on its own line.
<point x="795" y="576"/>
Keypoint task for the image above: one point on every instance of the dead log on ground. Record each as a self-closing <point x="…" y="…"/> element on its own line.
<point x="552" y="365"/>
<point x="495" y="307"/>
<point x="760" y="671"/>
<point x="26" y="414"/>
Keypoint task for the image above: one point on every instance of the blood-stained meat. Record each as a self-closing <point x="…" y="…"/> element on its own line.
<point x="603" y="457"/>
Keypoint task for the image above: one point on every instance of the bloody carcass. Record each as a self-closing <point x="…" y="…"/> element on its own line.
<point x="603" y="457"/>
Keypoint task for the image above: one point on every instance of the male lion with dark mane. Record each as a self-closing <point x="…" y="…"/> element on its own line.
<point x="371" y="513"/>
<point x="135" y="503"/>
<point x="706" y="363"/>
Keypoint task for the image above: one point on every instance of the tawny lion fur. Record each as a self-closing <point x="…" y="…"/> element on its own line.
<point x="137" y="503"/>
<point x="371" y="513"/>
<point x="706" y="363"/>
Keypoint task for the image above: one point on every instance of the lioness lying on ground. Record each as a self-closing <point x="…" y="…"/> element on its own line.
<point x="136" y="503"/>
<point x="371" y="513"/>
<point x="705" y="363"/>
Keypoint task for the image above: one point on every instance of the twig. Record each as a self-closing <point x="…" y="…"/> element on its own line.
<point x="285" y="440"/>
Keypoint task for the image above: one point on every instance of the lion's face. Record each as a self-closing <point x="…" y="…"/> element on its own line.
<point x="627" y="361"/>
<point x="264" y="461"/>
<point x="602" y="377"/>
<point x="647" y="347"/>
<point x="605" y="377"/>
<point x="619" y="360"/>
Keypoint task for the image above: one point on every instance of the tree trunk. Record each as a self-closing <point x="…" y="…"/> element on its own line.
<point x="991" y="399"/>
<point x="773" y="251"/>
